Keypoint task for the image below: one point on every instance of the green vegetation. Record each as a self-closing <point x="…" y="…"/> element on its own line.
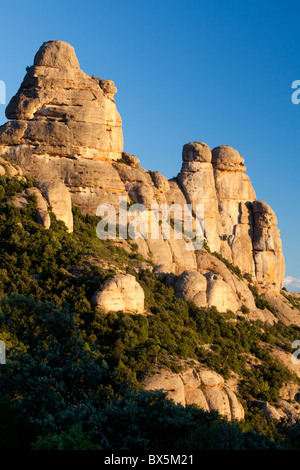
<point x="72" y="375"/>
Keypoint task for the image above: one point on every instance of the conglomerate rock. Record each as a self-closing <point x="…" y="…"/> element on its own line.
<point x="197" y="386"/>
<point x="121" y="293"/>
<point x="64" y="127"/>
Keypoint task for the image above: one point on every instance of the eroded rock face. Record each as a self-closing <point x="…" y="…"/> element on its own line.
<point x="191" y="285"/>
<point x="21" y="200"/>
<point x="197" y="182"/>
<point x="284" y="310"/>
<point x="267" y="248"/>
<point x="236" y="225"/>
<point x="220" y="294"/>
<point x="7" y="169"/>
<point x="50" y="197"/>
<point x="61" y="111"/>
<point x="121" y="293"/>
<point x="65" y="128"/>
<point x="235" y="194"/>
<point x="59" y="199"/>
<point x="201" y="387"/>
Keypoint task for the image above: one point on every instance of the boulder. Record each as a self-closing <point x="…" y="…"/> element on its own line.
<point x="197" y="386"/>
<point x="267" y="248"/>
<point x="168" y="382"/>
<point x="59" y="199"/>
<point x="196" y="152"/>
<point x="160" y="181"/>
<point x="121" y="293"/>
<point x="217" y="400"/>
<point x="210" y="378"/>
<point x="225" y="157"/>
<point x="57" y="54"/>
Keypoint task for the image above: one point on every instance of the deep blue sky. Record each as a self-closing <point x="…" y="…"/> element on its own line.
<point x="213" y="71"/>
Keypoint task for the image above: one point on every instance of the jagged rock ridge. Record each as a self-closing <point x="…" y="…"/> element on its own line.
<point x="65" y="128"/>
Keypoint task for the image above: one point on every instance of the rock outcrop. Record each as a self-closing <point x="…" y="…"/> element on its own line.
<point x="121" y="293"/>
<point x="237" y="226"/>
<point x="65" y="131"/>
<point x="61" y="111"/>
<point x="59" y="200"/>
<point x="65" y="128"/>
<point x="50" y="197"/>
<point x="12" y="171"/>
<point x="267" y="248"/>
<point x="197" y="386"/>
<point x="197" y="182"/>
<point x="21" y="200"/>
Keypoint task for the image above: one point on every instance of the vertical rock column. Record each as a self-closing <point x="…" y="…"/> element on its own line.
<point x="235" y="195"/>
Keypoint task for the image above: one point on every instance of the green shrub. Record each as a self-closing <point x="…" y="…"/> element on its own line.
<point x="72" y="439"/>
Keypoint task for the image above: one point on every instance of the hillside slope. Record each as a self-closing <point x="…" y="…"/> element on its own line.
<point x="94" y="328"/>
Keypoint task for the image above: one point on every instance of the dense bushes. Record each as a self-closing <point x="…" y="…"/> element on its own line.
<point x="64" y="396"/>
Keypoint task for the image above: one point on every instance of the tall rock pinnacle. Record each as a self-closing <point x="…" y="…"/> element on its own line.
<point x="240" y="228"/>
<point x="61" y="111"/>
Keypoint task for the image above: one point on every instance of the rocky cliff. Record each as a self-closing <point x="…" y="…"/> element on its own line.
<point x="65" y="131"/>
<point x="65" y="128"/>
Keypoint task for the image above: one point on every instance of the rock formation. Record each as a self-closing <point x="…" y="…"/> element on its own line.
<point x="65" y="128"/>
<point x="50" y="196"/>
<point x="66" y="132"/>
<point x="121" y="293"/>
<point x="198" y="386"/>
<point x="267" y="249"/>
<point x="59" y="200"/>
<point x="61" y="111"/>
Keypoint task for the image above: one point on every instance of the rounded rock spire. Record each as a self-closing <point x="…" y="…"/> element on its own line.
<point x="196" y="152"/>
<point x="225" y="155"/>
<point x="57" y="54"/>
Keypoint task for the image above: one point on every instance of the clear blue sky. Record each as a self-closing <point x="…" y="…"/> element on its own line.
<point x="213" y="71"/>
